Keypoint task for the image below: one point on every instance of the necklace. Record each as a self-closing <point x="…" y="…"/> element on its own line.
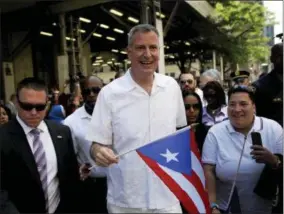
<point x="214" y="111"/>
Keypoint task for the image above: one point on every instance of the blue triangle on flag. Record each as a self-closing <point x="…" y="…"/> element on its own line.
<point x="172" y="151"/>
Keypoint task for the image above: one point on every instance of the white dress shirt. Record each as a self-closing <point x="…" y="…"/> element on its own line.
<point x="223" y="146"/>
<point x="127" y="117"/>
<point x="51" y="161"/>
<point x="200" y="93"/>
<point x="78" y="122"/>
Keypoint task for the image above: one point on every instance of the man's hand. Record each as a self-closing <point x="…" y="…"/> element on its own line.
<point x="103" y="155"/>
<point x="84" y="171"/>
<point x="263" y="155"/>
<point x="215" y="211"/>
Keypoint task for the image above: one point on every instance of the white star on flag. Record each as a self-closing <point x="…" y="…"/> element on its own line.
<point x="170" y="156"/>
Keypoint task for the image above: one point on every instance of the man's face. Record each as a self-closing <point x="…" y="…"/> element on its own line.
<point x="144" y="52"/>
<point x="277" y="58"/>
<point x="241" y="110"/>
<point x="31" y="106"/>
<point x="187" y="82"/>
<point x="241" y="81"/>
<point x="92" y="89"/>
<point x="204" y="80"/>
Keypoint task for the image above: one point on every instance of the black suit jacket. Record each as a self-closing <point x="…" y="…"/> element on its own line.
<point x="19" y="175"/>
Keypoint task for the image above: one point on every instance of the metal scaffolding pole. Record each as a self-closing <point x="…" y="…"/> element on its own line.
<point x="145" y="12"/>
<point x="62" y="25"/>
<point x="214" y="59"/>
<point x="72" y="72"/>
<point x="222" y="69"/>
<point x="2" y="92"/>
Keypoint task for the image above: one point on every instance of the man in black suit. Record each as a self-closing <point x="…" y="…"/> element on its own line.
<point x="39" y="170"/>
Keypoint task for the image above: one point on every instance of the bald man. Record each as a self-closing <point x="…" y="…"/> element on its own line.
<point x="94" y="187"/>
<point x="269" y="104"/>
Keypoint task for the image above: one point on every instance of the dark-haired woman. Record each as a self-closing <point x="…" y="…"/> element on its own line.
<point x="193" y="108"/>
<point x="5" y="114"/>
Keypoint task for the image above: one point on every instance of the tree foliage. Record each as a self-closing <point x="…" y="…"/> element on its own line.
<point x="243" y="23"/>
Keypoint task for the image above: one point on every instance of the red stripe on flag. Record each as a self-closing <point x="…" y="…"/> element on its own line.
<point x="193" y="145"/>
<point x="171" y="184"/>
<point x="196" y="182"/>
<point x="194" y="179"/>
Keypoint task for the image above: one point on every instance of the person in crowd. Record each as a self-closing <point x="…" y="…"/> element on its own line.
<point x="128" y="115"/>
<point x="12" y="105"/>
<point x="56" y="112"/>
<point x="233" y="162"/>
<point x="209" y="75"/>
<point x="240" y="78"/>
<point x="39" y="170"/>
<point x="188" y="82"/>
<point x="194" y="112"/>
<point x="71" y="101"/>
<point x="5" y="114"/>
<point x="269" y="100"/>
<point x="94" y="190"/>
<point x="216" y="109"/>
<point x="269" y="89"/>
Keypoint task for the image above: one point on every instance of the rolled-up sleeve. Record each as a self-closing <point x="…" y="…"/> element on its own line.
<point x="278" y="149"/>
<point x="181" y="116"/>
<point x="100" y="129"/>
<point x="210" y="149"/>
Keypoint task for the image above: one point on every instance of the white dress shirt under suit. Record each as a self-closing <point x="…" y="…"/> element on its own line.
<point x="51" y="161"/>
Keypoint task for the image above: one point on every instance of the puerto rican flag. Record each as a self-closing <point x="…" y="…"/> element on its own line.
<point x="175" y="159"/>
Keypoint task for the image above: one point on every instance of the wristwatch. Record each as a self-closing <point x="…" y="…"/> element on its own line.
<point x="214" y="206"/>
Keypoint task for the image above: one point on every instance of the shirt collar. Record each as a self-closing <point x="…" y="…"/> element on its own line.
<point x="83" y="113"/>
<point x="257" y="125"/>
<point x="27" y="129"/>
<point x="222" y="112"/>
<point x="131" y="84"/>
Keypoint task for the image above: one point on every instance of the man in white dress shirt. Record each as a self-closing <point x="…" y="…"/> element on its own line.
<point x="132" y="111"/>
<point x="94" y="189"/>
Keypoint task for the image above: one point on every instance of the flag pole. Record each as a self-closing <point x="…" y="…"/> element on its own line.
<point x="131" y="150"/>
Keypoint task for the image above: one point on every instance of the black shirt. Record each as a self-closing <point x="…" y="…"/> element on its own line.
<point x="269" y="97"/>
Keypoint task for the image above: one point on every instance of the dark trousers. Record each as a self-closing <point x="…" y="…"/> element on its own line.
<point x="94" y="193"/>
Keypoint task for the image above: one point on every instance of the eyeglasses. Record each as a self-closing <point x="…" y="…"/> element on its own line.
<point x="95" y="90"/>
<point x="194" y="106"/>
<point x="29" y="106"/>
<point x="186" y="81"/>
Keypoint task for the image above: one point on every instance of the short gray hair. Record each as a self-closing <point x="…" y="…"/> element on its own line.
<point x="143" y="28"/>
<point x="213" y="73"/>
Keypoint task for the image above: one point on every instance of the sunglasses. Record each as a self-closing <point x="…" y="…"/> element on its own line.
<point x="186" y="81"/>
<point x="194" y="106"/>
<point x="95" y="90"/>
<point x="29" y="106"/>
